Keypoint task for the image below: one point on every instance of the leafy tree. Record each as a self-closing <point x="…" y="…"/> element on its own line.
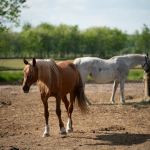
<point x="135" y="42"/>
<point x="26" y="26"/>
<point x="145" y="38"/>
<point x="10" y="12"/>
<point x="63" y="40"/>
<point x="6" y="42"/>
<point x="46" y="26"/>
<point x="141" y="42"/>
<point x="74" y="40"/>
<point x="47" y="34"/>
<point x="91" y="40"/>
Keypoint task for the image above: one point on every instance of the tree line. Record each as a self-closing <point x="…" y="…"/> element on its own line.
<point x="64" y="41"/>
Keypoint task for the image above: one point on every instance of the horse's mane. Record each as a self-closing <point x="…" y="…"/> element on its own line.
<point x="129" y="56"/>
<point x="133" y="55"/>
<point x="47" y="73"/>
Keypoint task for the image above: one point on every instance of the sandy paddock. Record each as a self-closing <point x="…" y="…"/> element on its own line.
<point x="106" y="126"/>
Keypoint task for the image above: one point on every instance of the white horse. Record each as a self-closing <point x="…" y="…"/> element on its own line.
<point x="115" y="69"/>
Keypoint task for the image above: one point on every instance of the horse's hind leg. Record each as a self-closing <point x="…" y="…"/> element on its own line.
<point x="46" y="114"/>
<point x="84" y="80"/>
<point x="58" y="112"/>
<point x="65" y="101"/>
<point x="116" y="82"/>
<point x="70" y="110"/>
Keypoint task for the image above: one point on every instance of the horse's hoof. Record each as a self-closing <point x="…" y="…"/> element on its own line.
<point x="124" y="102"/>
<point x="45" y="135"/>
<point x="62" y="131"/>
<point x="69" y="130"/>
<point x="89" y="103"/>
<point x="113" y="102"/>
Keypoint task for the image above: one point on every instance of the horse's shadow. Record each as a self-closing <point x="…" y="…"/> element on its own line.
<point x="127" y="103"/>
<point x="139" y="103"/>
<point x="119" y="139"/>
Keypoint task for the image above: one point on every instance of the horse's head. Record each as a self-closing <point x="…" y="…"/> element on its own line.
<point x="30" y="74"/>
<point x="146" y="66"/>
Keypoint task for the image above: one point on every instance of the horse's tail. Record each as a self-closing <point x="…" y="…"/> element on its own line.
<point x="80" y="97"/>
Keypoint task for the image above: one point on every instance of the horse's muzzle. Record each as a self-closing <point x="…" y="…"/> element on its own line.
<point x="26" y="89"/>
<point x="147" y="71"/>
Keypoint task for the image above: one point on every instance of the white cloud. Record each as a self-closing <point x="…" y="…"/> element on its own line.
<point x="63" y="1"/>
<point x="72" y="1"/>
<point x="142" y="12"/>
<point x="79" y="7"/>
<point x="125" y="14"/>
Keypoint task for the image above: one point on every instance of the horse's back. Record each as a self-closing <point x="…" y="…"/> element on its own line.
<point x="83" y="60"/>
<point x="85" y="63"/>
<point x="67" y="66"/>
<point x="69" y="75"/>
<point x="101" y="70"/>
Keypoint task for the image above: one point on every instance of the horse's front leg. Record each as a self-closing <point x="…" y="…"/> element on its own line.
<point x="116" y="82"/>
<point x="58" y="112"/>
<point x="122" y="81"/>
<point x="46" y="114"/>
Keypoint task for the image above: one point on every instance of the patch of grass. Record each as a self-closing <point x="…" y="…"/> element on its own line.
<point x="6" y="76"/>
<point x="136" y="74"/>
<point x="11" y="76"/>
<point x="89" y="78"/>
<point x="17" y="75"/>
<point x="139" y="66"/>
<point x="12" y="63"/>
<point x="17" y="63"/>
<point x="5" y="68"/>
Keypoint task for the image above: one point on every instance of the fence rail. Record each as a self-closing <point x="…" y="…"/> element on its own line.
<point x="11" y="69"/>
<point x="22" y="69"/>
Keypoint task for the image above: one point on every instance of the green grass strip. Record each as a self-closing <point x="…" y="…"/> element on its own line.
<point x="134" y="74"/>
<point x="11" y="76"/>
<point x="18" y="75"/>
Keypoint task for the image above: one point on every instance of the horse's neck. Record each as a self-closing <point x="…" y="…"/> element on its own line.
<point x="137" y="60"/>
<point x="47" y="72"/>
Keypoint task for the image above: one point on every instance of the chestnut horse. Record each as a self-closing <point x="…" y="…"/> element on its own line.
<point x="56" y="80"/>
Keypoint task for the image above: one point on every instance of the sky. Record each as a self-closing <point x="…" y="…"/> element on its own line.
<point x="126" y="15"/>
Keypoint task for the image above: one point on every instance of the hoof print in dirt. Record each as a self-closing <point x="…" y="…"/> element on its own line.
<point x="112" y="128"/>
<point x="6" y="103"/>
<point x="14" y="148"/>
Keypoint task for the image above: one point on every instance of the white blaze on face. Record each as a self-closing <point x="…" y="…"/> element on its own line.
<point x="27" y="71"/>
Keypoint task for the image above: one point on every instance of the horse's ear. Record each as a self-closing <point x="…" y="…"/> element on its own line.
<point x="34" y="62"/>
<point x="25" y="61"/>
<point x="147" y="54"/>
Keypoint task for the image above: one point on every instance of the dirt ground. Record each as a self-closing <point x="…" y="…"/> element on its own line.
<point x="106" y="126"/>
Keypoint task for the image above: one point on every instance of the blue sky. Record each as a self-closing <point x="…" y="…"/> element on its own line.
<point x="126" y="15"/>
